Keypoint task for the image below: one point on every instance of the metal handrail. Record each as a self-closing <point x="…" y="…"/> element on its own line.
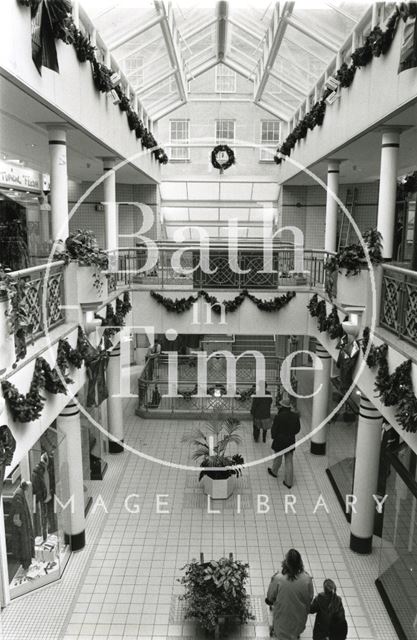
<point x="41" y="267"/>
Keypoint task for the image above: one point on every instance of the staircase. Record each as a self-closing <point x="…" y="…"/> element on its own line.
<point x="264" y="344"/>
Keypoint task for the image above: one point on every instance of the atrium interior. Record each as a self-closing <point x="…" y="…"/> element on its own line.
<point x="208" y="320"/>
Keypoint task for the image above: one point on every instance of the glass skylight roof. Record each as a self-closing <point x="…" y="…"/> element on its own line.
<point x="177" y="41"/>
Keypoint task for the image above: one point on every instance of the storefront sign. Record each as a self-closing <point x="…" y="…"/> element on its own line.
<point x="20" y="177"/>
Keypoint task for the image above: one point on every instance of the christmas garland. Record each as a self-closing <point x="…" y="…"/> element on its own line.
<point x="329" y="323"/>
<point x="230" y="157"/>
<point x="104" y="78"/>
<point x="395" y="389"/>
<point x="115" y="319"/>
<point x="407" y="185"/>
<point x="185" y="304"/>
<point x="28" y="407"/>
<point x="377" y="43"/>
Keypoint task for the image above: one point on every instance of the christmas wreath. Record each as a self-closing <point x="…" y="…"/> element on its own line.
<point x="230" y="157"/>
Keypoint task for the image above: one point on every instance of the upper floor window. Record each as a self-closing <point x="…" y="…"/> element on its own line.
<point x="225" y="79"/>
<point x="225" y="131"/>
<point x="179" y="133"/>
<point x="134" y="70"/>
<point x="270" y="133"/>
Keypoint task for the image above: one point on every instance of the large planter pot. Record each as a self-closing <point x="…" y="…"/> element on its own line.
<point x="91" y="288"/>
<point x="218" y="489"/>
<point x="7" y="348"/>
<point x="352" y="291"/>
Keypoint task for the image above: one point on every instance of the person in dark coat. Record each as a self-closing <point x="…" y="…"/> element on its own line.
<point x="261" y="413"/>
<point x="23" y="540"/>
<point x="330" y="620"/>
<point x="285" y="427"/>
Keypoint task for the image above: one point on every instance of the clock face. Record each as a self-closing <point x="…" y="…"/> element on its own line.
<point x="221" y="157"/>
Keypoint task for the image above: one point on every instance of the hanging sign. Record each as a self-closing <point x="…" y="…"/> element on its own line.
<point x="19" y="177"/>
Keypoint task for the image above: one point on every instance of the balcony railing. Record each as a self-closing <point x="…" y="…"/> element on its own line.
<point x="283" y="273"/>
<point x="44" y="297"/>
<point x="399" y="302"/>
<point x="153" y="395"/>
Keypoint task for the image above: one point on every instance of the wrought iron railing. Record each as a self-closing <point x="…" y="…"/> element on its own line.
<point x="133" y="268"/>
<point x="399" y="302"/>
<point x="154" y="396"/>
<point x="44" y="297"/>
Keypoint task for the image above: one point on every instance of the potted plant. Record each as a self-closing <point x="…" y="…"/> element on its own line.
<point x="82" y="254"/>
<point x="352" y="268"/>
<point x="211" y="450"/>
<point x="215" y="592"/>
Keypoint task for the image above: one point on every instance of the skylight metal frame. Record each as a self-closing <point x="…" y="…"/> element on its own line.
<point x="272" y="45"/>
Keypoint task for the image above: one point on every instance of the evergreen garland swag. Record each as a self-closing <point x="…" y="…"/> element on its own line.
<point x="395" y="389"/>
<point x="185" y="304"/>
<point x="329" y="323"/>
<point x="377" y="43"/>
<point x="28" y="407"/>
<point x="65" y="29"/>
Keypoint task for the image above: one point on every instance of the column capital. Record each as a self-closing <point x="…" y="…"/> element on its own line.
<point x="333" y="165"/>
<point x="368" y="410"/>
<point x="321" y="352"/>
<point x="108" y="162"/>
<point x="70" y="410"/>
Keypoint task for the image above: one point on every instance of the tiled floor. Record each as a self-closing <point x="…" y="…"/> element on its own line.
<point x="124" y="584"/>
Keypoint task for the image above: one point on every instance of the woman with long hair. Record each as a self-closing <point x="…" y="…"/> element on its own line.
<point x="289" y="595"/>
<point x="330" y="623"/>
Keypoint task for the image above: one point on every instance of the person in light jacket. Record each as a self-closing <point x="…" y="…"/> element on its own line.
<point x="289" y="595"/>
<point x="285" y="427"/>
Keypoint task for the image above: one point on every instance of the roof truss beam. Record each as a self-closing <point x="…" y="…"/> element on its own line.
<point x="198" y="70"/>
<point x="168" y="109"/>
<point x="222" y="13"/>
<point x="137" y="31"/>
<point x="153" y="83"/>
<point x="273" y="111"/>
<point x="292" y="87"/>
<point x="275" y="35"/>
<point x="313" y="35"/>
<point x="171" y="37"/>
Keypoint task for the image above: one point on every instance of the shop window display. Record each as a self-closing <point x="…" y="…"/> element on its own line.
<point x="397" y="581"/>
<point x="35" y="520"/>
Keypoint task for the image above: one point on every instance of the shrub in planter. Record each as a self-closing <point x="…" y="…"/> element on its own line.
<point x="352" y="257"/>
<point x="211" y="449"/>
<point x="216" y="590"/>
<point x="82" y="247"/>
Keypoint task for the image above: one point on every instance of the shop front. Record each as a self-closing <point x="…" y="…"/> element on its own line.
<point x="397" y="579"/>
<point x="24" y="217"/>
<point x="35" y="509"/>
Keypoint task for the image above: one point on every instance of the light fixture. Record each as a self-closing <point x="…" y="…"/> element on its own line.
<point x="332" y="97"/>
<point x="332" y="83"/>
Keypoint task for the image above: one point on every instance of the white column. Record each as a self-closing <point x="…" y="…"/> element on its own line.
<point x="332" y="207"/>
<point x="68" y="424"/>
<point x="4" y="574"/>
<point x="114" y="402"/>
<point x="110" y="209"/>
<point x="59" y="182"/>
<point x="320" y="401"/>
<point x="388" y="189"/>
<point x="368" y="447"/>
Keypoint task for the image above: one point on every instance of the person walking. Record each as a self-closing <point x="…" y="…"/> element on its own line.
<point x="261" y="413"/>
<point x="330" y="623"/>
<point x="285" y="427"/>
<point x="289" y="595"/>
